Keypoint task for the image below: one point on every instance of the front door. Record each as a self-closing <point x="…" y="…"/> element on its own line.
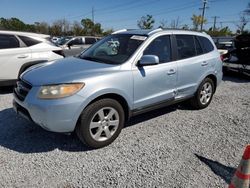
<point x="154" y="84"/>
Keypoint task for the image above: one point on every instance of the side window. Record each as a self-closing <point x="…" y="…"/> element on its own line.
<point x="198" y="47"/>
<point x="89" y="40"/>
<point x="206" y="44"/>
<point x="29" y="41"/>
<point x="185" y="46"/>
<point x="8" y="41"/>
<point x="76" y="41"/>
<point x="160" y="47"/>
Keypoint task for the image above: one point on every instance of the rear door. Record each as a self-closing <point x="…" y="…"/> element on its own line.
<point x="154" y="84"/>
<point x="13" y="54"/>
<point x="192" y="64"/>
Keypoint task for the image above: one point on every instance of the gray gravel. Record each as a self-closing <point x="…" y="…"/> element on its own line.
<point x="171" y="147"/>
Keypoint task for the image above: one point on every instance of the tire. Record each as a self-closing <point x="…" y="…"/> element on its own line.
<point x="203" y="95"/>
<point x="100" y="123"/>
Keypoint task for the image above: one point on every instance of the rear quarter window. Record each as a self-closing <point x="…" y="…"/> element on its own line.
<point x="29" y="41"/>
<point x="8" y="41"/>
<point x="206" y="45"/>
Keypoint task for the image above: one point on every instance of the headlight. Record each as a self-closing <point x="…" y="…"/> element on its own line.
<point x="59" y="91"/>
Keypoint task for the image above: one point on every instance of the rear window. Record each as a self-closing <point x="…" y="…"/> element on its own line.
<point x="29" y="41"/>
<point x="8" y="41"/>
<point x="205" y="44"/>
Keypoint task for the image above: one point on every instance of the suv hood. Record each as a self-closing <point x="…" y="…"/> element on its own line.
<point x="66" y="70"/>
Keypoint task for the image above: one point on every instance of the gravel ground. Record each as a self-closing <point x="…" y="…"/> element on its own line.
<point x="171" y="147"/>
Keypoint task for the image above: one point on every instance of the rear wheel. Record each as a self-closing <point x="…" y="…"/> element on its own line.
<point x="203" y="95"/>
<point x="100" y="123"/>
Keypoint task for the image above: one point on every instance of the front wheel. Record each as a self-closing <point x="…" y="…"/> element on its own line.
<point x="204" y="94"/>
<point x="100" y="123"/>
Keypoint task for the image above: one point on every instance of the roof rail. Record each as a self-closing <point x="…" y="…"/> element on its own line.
<point x="119" y="31"/>
<point x="155" y="30"/>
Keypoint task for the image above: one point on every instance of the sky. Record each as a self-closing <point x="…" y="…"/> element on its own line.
<point x="120" y="14"/>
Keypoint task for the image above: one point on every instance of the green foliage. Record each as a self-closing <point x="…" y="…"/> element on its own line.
<point x="146" y="22"/>
<point x="225" y="31"/>
<point x="91" y="28"/>
<point x="197" y="21"/>
<point x="13" y="24"/>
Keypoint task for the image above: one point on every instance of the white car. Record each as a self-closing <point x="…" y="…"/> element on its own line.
<point x="77" y="44"/>
<point x="20" y="50"/>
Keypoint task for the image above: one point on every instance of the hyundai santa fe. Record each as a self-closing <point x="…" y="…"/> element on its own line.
<point x="124" y="74"/>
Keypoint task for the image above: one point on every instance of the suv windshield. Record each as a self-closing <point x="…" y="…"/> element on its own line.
<point x="114" y="49"/>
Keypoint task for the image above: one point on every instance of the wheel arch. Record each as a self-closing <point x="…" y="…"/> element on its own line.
<point x="118" y="98"/>
<point x="214" y="79"/>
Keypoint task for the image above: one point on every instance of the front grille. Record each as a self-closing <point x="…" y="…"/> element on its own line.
<point x="22" y="89"/>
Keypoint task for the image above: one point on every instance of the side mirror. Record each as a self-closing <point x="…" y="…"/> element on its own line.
<point x="149" y="60"/>
<point x="69" y="45"/>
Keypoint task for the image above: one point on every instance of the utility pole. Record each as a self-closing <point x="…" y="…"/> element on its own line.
<point x="203" y="13"/>
<point x="215" y="20"/>
<point x="93" y="15"/>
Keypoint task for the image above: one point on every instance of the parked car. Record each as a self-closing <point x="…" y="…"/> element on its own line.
<point x="238" y="59"/>
<point x="55" y="39"/>
<point x="122" y="75"/>
<point x="76" y="45"/>
<point x="224" y="44"/>
<point x="62" y="40"/>
<point x="20" y="50"/>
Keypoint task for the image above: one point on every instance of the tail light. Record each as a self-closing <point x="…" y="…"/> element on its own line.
<point x="59" y="52"/>
<point x="222" y="57"/>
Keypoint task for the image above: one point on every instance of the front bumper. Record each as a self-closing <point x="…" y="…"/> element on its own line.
<point x="59" y="115"/>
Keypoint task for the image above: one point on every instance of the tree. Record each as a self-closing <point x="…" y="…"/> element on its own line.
<point x="60" y="27"/>
<point x="13" y="24"/>
<point x="146" y="22"/>
<point x="175" y="23"/>
<point x="247" y="11"/>
<point x="42" y="27"/>
<point x="77" y="29"/>
<point x="197" y="21"/>
<point x="225" y="31"/>
<point x="241" y="24"/>
<point x="91" y="28"/>
<point x="163" y="24"/>
<point x="108" y="32"/>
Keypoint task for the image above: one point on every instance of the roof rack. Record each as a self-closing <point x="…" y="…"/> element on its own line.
<point x="119" y="31"/>
<point x="155" y="30"/>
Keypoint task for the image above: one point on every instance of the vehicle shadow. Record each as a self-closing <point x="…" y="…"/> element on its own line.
<point x="6" y="89"/>
<point x="152" y="114"/>
<point x="22" y="136"/>
<point x="225" y="172"/>
<point x="235" y="77"/>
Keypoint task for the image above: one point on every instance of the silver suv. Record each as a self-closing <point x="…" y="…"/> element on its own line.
<point x="122" y="75"/>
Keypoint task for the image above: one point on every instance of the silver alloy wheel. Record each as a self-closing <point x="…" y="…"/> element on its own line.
<point x="104" y="124"/>
<point x="206" y="93"/>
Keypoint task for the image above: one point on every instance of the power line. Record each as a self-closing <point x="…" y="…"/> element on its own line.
<point x="159" y="12"/>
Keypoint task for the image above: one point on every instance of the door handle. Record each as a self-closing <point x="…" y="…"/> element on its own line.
<point x="22" y="56"/>
<point x="171" y="71"/>
<point x="204" y="63"/>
